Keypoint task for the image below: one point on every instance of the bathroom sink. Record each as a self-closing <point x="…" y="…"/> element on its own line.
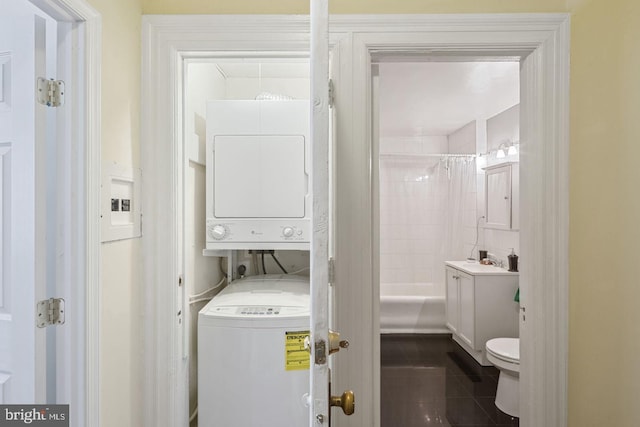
<point x="479" y="269"/>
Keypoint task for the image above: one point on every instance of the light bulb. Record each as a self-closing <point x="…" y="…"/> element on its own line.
<point x="512" y="150"/>
<point x="500" y="154"/>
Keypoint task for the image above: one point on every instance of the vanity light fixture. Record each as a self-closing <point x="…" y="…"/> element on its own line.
<point x="509" y="147"/>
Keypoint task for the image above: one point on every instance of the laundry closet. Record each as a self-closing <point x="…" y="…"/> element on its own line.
<point x="247" y="195"/>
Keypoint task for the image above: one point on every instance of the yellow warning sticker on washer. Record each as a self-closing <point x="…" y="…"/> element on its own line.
<point x="296" y="357"/>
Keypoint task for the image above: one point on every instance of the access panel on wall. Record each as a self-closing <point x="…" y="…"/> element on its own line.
<point x="257" y="188"/>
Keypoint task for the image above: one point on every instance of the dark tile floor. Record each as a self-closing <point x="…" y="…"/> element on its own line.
<point x="429" y="380"/>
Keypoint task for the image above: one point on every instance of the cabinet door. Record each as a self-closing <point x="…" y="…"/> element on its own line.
<point x="466" y="327"/>
<point x="452" y="299"/>
<point x="498" y="197"/>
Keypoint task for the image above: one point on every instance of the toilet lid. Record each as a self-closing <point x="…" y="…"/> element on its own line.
<point x="505" y="348"/>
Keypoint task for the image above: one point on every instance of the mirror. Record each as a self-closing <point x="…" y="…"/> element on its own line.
<point x="499" y="197"/>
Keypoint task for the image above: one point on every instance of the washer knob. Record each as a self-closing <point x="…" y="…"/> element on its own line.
<point x="288" y="231"/>
<point x="218" y="232"/>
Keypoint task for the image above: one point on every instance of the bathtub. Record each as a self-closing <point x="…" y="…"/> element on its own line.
<point x="412" y="308"/>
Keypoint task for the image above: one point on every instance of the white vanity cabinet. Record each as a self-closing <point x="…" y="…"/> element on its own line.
<point x="480" y="305"/>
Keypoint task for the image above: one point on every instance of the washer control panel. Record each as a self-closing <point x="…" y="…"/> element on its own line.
<point x="258" y="311"/>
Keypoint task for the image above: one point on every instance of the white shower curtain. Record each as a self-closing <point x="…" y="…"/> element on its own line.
<point x="428" y="210"/>
<point x="459" y="211"/>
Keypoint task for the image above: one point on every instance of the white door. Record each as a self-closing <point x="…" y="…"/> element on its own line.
<point x="22" y="266"/>
<point x="319" y="372"/>
<point x="323" y="341"/>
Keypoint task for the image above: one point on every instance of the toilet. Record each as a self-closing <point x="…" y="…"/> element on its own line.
<point x="504" y="353"/>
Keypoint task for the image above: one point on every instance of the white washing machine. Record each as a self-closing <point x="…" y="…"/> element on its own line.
<point x="253" y="370"/>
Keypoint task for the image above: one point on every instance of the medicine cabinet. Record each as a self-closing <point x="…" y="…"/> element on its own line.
<point x="502" y="196"/>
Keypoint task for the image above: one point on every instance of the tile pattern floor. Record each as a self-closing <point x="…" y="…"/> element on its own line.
<point x="429" y="380"/>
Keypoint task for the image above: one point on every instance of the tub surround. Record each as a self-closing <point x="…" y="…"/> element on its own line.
<point x="480" y="305"/>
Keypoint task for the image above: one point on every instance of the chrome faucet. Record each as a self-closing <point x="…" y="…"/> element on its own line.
<point x="495" y="261"/>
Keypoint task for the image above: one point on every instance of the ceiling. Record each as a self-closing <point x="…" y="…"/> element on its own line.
<point x="416" y="98"/>
<point x="438" y="98"/>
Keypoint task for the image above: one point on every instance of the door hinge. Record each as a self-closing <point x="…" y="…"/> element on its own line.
<point x="332" y="271"/>
<point x="50" y="92"/>
<point x="50" y="312"/>
<point x="331" y="94"/>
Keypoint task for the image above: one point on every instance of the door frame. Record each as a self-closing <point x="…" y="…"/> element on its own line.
<point x="541" y="43"/>
<point x="168" y="41"/>
<point x="81" y="363"/>
<point x="541" y="38"/>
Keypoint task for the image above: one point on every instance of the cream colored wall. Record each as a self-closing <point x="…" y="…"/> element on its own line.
<point x="350" y="6"/>
<point x="605" y="212"/>
<point x="605" y="204"/>
<point x="120" y="319"/>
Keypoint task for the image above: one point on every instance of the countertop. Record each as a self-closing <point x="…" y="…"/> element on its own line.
<point x="477" y="269"/>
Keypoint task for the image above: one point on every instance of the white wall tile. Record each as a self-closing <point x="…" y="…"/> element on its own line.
<point x="402" y="276"/>
<point x="499" y="242"/>
<point x="422" y="276"/>
<point x="386" y="247"/>
<point x="468" y="250"/>
<point x="418" y="248"/>
<point x="469" y="235"/>
<point x="413" y="212"/>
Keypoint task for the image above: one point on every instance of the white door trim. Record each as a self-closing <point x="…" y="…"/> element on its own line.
<point x="168" y="39"/>
<point x="85" y="227"/>
<point x="542" y="42"/>
<point x="167" y="42"/>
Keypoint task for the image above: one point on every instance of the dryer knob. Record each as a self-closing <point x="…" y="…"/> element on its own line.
<point x="218" y="232"/>
<point x="288" y="232"/>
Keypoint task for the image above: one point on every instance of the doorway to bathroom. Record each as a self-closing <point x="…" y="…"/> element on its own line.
<point x="438" y="126"/>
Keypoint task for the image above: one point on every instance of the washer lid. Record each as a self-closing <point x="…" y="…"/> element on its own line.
<point x="507" y="349"/>
<point x="275" y="295"/>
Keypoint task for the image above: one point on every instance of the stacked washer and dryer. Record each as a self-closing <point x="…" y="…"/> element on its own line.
<point x="253" y="369"/>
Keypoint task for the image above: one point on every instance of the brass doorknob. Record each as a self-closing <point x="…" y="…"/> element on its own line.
<point x="347" y="402"/>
